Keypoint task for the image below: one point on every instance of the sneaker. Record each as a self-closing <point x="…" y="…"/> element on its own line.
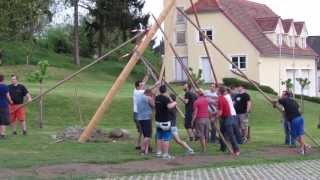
<point x="245" y="141"/>
<point x="158" y="154"/>
<point x="190" y="152"/>
<point x="302" y="152"/>
<point x="138" y="148"/>
<point x="14" y="132"/>
<point x="167" y="157"/>
<point x="237" y="153"/>
<point x="24" y="132"/>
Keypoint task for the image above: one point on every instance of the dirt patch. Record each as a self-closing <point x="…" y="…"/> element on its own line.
<point x="152" y="165"/>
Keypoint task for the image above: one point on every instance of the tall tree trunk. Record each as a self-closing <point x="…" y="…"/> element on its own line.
<point x="76" y="33"/>
<point x="41" y="107"/>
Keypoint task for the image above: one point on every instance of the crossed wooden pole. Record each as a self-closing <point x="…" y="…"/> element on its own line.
<point x="124" y="74"/>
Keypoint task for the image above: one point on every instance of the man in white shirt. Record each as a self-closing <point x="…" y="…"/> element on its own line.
<point x="212" y="96"/>
<point x="138" y="91"/>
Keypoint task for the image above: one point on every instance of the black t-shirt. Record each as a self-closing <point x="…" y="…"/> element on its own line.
<point x="162" y="111"/>
<point x="191" y="99"/>
<point x="173" y="116"/>
<point x="241" y="103"/>
<point x="17" y="93"/>
<point x="291" y="108"/>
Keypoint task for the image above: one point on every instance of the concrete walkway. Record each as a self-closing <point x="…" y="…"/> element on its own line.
<point x="301" y="170"/>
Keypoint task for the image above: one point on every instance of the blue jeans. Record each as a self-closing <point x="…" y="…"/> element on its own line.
<point x="287" y="131"/>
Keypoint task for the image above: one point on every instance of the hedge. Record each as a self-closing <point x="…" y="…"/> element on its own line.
<point x="247" y="85"/>
<point x="267" y="89"/>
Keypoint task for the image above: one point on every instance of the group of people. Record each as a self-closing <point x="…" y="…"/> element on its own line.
<point x="219" y="110"/>
<point x="11" y="111"/>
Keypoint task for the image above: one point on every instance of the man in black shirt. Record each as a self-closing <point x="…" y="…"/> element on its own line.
<point x="189" y="98"/>
<point x="293" y="115"/>
<point x="242" y="105"/>
<point x="163" y="104"/>
<point x="17" y="93"/>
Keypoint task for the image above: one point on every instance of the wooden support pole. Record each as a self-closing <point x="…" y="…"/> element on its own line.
<point x="153" y="75"/>
<point x="225" y="56"/>
<point x="124" y="75"/>
<point x="161" y="74"/>
<point x="71" y="76"/>
<point x="204" y="42"/>
<point x="193" y="82"/>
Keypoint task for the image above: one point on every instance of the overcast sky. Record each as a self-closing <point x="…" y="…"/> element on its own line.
<point x="306" y="10"/>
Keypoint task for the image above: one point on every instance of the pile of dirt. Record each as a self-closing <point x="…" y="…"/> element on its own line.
<point x="98" y="135"/>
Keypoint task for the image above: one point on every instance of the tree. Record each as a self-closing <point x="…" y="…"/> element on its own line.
<point x="288" y="83"/>
<point x="39" y="76"/>
<point x="196" y="76"/>
<point x="303" y="82"/>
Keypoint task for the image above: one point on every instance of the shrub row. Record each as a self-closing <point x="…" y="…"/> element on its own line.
<point x="247" y="85"/>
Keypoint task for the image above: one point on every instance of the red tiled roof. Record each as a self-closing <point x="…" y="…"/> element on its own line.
<point x="287" y="24"/>
<point x="243" y="14"/>
<point x="298" y="26"/>
<point x="268" y="23"/>
<point x="204" y="6"/>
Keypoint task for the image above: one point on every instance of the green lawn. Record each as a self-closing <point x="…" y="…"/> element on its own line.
<point x="38" y="148"/>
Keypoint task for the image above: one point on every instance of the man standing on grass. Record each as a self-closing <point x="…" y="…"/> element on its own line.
<point x="164" y="136"/>
<point x="200" y="119"/>
<point x="189" y="99"/>
<point x="212" y="96"/>
<point x="145" y="104"/>
<point x="138" y="91"/>
<point x="292" y="114"/>
<point x="5" y="100"/>
<point x="226" y="123"/>
<point x="243" y="108"/>
<point x="174" y="128"/>
<point x="17" y="93"/>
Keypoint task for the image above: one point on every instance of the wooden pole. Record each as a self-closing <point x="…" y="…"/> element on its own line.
<point x="204" y="43"/>
<point x="71" y="76"/>
<point x="193" y="82"/>
<point x="161" y="75"/>
<point x="167" y="84"/>
<point x="124" y="74"/>
<point x="225" y="56"/>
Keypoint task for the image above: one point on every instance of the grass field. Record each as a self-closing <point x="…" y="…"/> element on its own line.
<point x="38" y="148"/>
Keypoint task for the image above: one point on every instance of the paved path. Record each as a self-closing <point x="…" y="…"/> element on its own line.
<point x="302" y="170"/>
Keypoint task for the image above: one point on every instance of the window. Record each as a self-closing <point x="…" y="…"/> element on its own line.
<point x="180" y="38"/>
<point x="180" y="19"/>
<point x="303" y="43"/>
<point x="207" y="32"/>
<point x="292" y="41"/>
<point x="239" y="61"/>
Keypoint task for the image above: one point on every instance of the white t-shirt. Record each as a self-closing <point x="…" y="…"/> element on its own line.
<point x="211" y="97"/>
<point x="229" y="99"/>
<point x="136" y="93"/>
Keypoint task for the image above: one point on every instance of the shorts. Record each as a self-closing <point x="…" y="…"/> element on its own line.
<point x="297" y="127"/>
<point x="164" y="135"/>
<point x="187" y="121"/>
<point x="146" y="128"/>
<point x="243" y="120"/>
<point x="202" y="128"/>
<point x="4" y="117"/>
<point x="17" y="113"/>
<point x="136" y="122"/>
<point x="174" y="130"/>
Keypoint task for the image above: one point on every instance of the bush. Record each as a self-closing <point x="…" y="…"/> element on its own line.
<point x="308" y="98"/>
<point x="247" y="85"/>
<point x="58" y="40"/>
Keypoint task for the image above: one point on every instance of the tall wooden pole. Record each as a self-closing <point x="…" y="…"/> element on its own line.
<point x="161" y="75"/>
<point x="124" y="74"/>
<point x="225" y="56"/>
<point x="204" y="42"/>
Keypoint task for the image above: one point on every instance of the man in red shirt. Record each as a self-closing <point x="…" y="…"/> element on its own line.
<point x="226" y="123"/>
<point x="201" y="119"/>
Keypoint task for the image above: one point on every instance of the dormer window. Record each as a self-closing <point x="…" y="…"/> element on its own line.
<point x="180" y="19"/>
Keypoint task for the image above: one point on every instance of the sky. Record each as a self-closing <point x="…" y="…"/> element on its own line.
<point x="306" y="10"/>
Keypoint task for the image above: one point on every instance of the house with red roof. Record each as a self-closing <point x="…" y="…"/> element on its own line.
<point x="268" y="48"/>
